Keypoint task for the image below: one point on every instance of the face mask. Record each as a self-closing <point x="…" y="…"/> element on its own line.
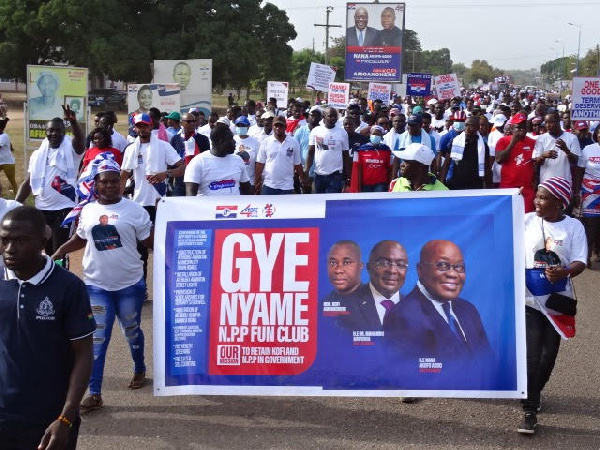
<point x="375" y="140"/>
<point x="459" y="126"/>
<point x="241" y="131"/>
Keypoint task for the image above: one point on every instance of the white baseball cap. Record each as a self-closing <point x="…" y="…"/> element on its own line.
<point x="416" y="152"/>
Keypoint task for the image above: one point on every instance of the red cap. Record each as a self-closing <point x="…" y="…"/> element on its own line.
<point x="581" y="125"/>
<point x="518" y="118"/>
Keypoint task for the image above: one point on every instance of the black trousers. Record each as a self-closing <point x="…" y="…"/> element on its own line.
<point x="60" y="235"/>
<point x="543" y="343"/>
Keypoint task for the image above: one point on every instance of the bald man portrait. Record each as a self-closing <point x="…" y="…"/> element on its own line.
<point x="367" y="304"/>
<point x="433" y="321"/>
<point x="361" y="34"/>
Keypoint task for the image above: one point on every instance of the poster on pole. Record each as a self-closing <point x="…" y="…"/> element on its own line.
<point x="279" y="91"/>
<point x="374" y="42"/>
<point x="380" y="91"/>
<point x="277" y="296"/>
<point x="338" y="95"/>
<point x="194" y="77"/>
<point x="319" y="77"/>
<point x="142" y="97"/>
<point x="586" y="98"/>
<point x="49" y="88"/>
<point x="447" y="86"/>
<point x="418" y="84"/>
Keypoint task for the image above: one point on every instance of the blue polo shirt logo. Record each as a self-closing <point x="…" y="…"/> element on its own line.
<point x="45" y="310"/>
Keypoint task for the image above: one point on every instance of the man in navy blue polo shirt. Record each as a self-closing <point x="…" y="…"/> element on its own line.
<point x="45" y="340"/>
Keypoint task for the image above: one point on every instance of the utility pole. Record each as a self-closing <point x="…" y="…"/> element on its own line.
<point x="327" y="27"/>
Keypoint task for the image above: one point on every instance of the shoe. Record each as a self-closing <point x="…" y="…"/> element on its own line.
<point x="409" y="400"/>
<point x="91" y="402"/>
<point x="527" y="426"/>
<point x="138" y="381"/>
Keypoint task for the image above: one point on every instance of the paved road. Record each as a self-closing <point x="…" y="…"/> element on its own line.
<point x="137" y="420"/>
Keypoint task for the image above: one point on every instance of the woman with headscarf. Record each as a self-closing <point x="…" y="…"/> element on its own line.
<point x="108" y="228"/>
<point x="555" y="252"/>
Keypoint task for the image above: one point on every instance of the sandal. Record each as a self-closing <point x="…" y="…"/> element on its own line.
<point x="91" y="402"/>
<point x="138" y="381"/>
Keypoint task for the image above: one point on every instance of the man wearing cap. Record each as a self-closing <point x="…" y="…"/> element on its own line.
<point x="263" y="127"/>
<point x="173" y="124"/>
<point x="328" y="148"/>
<point x="581" y="129"/>
<point x="187" y="143"/>
<point x="360" y="34"/>
<point x="277" y="160"/>
<point x="467" y="165"/>
<point x="415" y="174"/>
<point x="53" y="176"/>
<point x="556" y="150"/>
<point x="497" y="132"/>
<point x="515" y="155"/>
<point x="246" y="146"/>
<point x="415" y="134"/>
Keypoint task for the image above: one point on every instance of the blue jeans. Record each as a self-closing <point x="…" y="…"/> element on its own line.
<point x="379" y="187"/>
<point x="126" y="305"/>
<point x="266" y="190"/>
<point x="329" y="184"/>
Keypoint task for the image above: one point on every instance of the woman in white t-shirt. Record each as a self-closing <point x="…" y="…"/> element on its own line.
<point x="7" y="159"/>
<point x="555" y="252"/>
<point x="587" y="183"/>
<point x="112" y="270"/>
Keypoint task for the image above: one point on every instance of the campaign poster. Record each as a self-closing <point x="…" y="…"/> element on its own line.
<point x="279" y="91"/>
<point x="447" y="86"/>
<point x="329" y="295"/>
<point x="338" y="95"/>
<point x="194" y="77"/>
<point x="319" y="77"/>
<point x="418" y="84"/>
<point x="49" y="88"/>
<point x="374" y="41"/>
<point x="586" y="98"/>
<point x="142" y="97"/>
<point x="380" y="91"/>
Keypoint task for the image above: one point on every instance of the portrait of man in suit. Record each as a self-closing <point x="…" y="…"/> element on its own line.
<point x="367" y="305"/>
<point x="390" y="35"/>
<point x="433" y="321"/>
<point x="361" y="34"/>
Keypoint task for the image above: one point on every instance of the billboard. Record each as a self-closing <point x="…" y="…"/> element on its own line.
<point x="286" y="296"/>
<point x="142" y="97"/>
<point x="374" y="40"/>
<point x="194" y="77"/>
<point x="49" y="88"/>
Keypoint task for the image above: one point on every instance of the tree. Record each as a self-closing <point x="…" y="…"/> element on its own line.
<point x="436" y="62"/>
<point x="482" y="70"/>
<point x="301" y="61"/>
<point x="460" y="70"/>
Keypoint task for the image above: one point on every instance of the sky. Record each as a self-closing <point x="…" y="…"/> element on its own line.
<point x="508" y="34"/>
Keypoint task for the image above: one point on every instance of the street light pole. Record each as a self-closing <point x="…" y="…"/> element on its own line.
<point x="578" y="45"/>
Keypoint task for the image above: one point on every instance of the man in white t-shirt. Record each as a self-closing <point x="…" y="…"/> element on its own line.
<point x="53" y="176"/>
<point x="218" y="171"/>
<point x="277" y="160"/>
<point x="328" y="148"/>
<point x="108" y="121"/>
<point x="556" y="150"/>
<point x="246" y="146"/>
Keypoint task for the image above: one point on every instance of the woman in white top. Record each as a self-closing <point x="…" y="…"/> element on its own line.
<point x="7" y="160"/>
<point x="108" y="229"/>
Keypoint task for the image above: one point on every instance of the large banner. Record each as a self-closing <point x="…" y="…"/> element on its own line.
<point x="330" y="295"/>
<point x="49" y="88"/>
<point x="374" y="39"/>
<point x="319" y="77"/>
<point x="142" y="97"/>
<point x="418" y="84"/>
<point x="194" y="77"/>
<point x="586" y="98"/>
<point x="447" y="86"/>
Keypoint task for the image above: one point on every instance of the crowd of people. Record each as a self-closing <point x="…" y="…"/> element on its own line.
<point x="106" y="187"/>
